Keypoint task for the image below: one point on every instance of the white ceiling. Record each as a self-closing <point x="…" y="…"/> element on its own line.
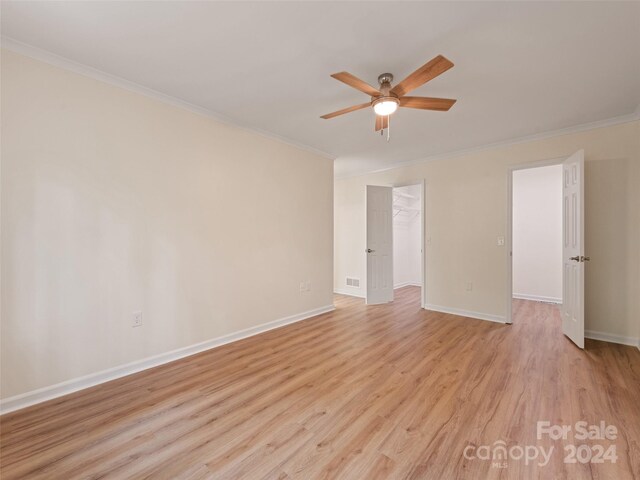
<point x="521" y="68"/>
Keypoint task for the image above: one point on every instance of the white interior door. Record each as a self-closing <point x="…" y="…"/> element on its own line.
<point x="379" y="248"/>
<point x="573" y="248"/>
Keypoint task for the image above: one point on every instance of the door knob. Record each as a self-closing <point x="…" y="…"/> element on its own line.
<point x="369" y="250"/>
<point x="580" y="258"/>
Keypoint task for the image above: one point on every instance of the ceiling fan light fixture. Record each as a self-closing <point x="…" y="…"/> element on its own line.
<point x="385" y="105"/>
<point x="387" y="98"/>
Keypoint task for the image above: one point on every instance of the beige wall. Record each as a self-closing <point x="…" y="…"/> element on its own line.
<point x="114" y="202"/>
<point x="466" y="210"/>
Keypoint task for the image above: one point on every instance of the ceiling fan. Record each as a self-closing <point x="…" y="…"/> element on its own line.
<point x="387" y="99"/>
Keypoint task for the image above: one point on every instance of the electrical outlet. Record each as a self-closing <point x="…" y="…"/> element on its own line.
<point x="137" y="319"/>
<point x="303" y="286"/>
<point x="501" y="241"/>
<point x="468" y="286"/>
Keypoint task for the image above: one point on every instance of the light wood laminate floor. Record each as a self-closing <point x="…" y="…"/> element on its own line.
<point x="365" y="392"/>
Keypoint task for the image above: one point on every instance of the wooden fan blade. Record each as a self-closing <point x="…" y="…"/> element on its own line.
<point x="381" y="122"/>
<point x="356" y="83"/>
<point x="428" y="71"/>
<point x="427" y="103"/>
<point x="346" y="110"/>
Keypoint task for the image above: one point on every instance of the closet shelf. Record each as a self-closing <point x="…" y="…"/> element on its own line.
<point x="405" y="208"/>
<point x="405" y="195"/>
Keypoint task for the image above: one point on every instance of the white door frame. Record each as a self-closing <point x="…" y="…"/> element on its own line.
<point x="509" y="231"/>
<point x="423" y="266"/>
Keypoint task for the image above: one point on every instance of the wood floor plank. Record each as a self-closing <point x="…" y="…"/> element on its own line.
<point x="365" y="392"/>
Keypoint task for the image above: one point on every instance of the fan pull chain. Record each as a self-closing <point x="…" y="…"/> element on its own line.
<point x="388" y="128"/>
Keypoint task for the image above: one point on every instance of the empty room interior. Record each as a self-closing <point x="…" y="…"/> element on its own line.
<point x="319" y="240"/>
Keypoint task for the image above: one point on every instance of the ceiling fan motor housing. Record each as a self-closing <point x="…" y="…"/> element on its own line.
<point x="385" y="78"/>
<point x="385" y="83"/>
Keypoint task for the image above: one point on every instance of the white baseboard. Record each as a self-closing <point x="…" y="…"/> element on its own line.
<point x="351" y="293"/>
<point x="47" y="393"/>
<point x="466" y="313"/>
<point x="537" y="298"/>
<point x="406" y="284"/>
<point x="608" y="337"/>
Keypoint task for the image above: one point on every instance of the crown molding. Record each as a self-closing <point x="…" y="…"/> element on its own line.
<point x="62" y="62"/>
<point x="609" y="122"/>
<point x="87" y="71"/>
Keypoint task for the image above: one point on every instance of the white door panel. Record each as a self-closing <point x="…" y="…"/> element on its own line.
<point x="573" y="248"/>
<point x="379" y="248"/>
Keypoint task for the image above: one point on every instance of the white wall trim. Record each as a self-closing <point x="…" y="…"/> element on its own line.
<point x="466" y="313"/>
<point x="608" y="122"/>
<point x="537" y="298"/>
<point x="407" y="284"/>
<point x="350" y="293"/>
<point x="82" y="69"/>
<point x="609" y="337"/>
<point x="53" y="391"/>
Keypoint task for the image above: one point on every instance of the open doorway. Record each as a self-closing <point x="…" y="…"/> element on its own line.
<point x="407" y="237"/>
<point x="543" y="194"/>
<point x="395" y="239"/>
<point x="537" y="234"/>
